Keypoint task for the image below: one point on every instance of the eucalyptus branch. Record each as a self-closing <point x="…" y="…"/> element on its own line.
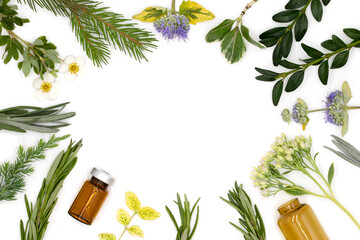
<point x="39" y="213"/>
<point x="295" y="15"/>
<point x="97" y="28"/>
<point x="338" y="50"/>
<point x="289" y="156"/>
<point x="12" y="174"/>
<point x="251" y="223"/>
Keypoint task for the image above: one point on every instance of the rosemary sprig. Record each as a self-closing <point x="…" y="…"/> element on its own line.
<point x="43" y="120"/>
<point x="185" y="231"/>
<point x="12" y="174"/>
<point x="97" y="28"/>
<point x="295" y="15"/>
<point x="252" y="225"/>
<point x="39" y="213"/>
<point x="339" y="51"/>
<point x="347" y="151"/>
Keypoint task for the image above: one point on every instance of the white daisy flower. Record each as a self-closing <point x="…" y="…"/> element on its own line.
<point x="47" y="88"/>
<point x="72" y="67"/>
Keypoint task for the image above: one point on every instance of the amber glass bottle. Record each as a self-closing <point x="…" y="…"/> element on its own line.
<point x="298" y="222"/>
<point x="91" y="197"/>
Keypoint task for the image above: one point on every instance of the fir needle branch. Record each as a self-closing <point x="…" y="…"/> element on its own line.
<point x="12" y="174"/>
<point x="97" y="28"/>
<point x="39" y="213"/>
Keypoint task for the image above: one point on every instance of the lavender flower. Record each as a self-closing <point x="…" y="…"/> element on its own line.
<point x="334" y="105"/>
<point x="300" y="112"/>
<point x="173" y="26"/>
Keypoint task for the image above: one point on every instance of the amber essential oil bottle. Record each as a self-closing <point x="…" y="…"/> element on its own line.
<point x="91" y="197"/>
<point x="298" y="222"/>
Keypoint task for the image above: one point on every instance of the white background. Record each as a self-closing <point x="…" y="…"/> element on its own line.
<point x="186" y="121"/>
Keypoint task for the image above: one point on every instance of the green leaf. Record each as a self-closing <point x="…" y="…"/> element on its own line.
<point x="331" y="173"/>
<point x="326" y="2"/>
<point x="219" y="32"/>
<point x="277" y="91"/>
<point x="323" y="72"/>
<point x="312" y="52"/>
<point x="340" y="60"/>
<point x="289" y="65"/>
<point x="352" y="33"/>
<point x="286" y="16"/>
<point x="294" y="4"/>
<point x="246" y="34"/>
<point x="329" y="45"/>
<point x="38" y="42"/>
<point x="277" y="56"/>
<point x="286" y="44"/>
<point x="4" y="40"/>
<point x="233" y="46"/>
<point x="273" y="33"/>
<point x="317" y="9"/>
<point x="338" y="42"/>
<point x="346" y="92"/>
<point x="295" y="81"/>
<point x="345" y="127"/>
<point x="295" y="192"/>
<point x="26" y="67"/>
<point x="267" y="76"/>
<point x="301" y="27"/>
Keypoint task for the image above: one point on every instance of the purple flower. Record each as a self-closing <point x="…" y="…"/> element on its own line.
<point x="300" y="112"/>
<point x="173" y="26"/>
<point x="334" y="103"/>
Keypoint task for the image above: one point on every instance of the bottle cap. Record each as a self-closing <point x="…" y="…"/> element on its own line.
<point x="102" y="175"/>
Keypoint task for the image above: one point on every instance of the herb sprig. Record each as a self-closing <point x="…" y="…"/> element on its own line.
<point x="295" y="15"/>
<point x="251" y="223"/>
<point x="39" y="213"/>
<point x="347" y="151"/>
<point x="232" y="39"/>
<point x="184" y="229"/>
<point x="339" y="52"/>
<point x="294" y="156"/>
<point x="12" y="174"/>
<point x="44" y="120"/>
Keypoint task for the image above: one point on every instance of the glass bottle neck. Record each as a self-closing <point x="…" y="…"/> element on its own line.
<point x="290" y="206"/>
<point x="99" y="183"/>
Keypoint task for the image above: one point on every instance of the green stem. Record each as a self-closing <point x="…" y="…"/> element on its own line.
<point x="342" y="108"/>
<point x="326" y="56"/>
<point x="18" y="39"/>
<point x="248" y="6"/>
<point x="173" y="6"/>
<point x="333" y="199"/>
<point x="126" y="226"/>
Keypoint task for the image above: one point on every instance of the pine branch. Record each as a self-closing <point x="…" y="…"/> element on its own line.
<point x="12" y="174"/>
<point x="39" y="213"/>
<point x="97" y="28"/>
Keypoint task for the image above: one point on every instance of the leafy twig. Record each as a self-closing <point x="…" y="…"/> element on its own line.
<point x="252" y="225"/>
<point x="40" y="212"/>
<point x="338" y="49"/>
<point x="232" y="39"/>
<point x="12" y="174"/>
<point x="295" y="15"/>
<point x="185" y="231"/>
<point x="97" y="28"/>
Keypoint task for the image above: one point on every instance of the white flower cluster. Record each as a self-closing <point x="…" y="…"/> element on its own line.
<point x="48" y="87"/>
<point x="282" y="156"/>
